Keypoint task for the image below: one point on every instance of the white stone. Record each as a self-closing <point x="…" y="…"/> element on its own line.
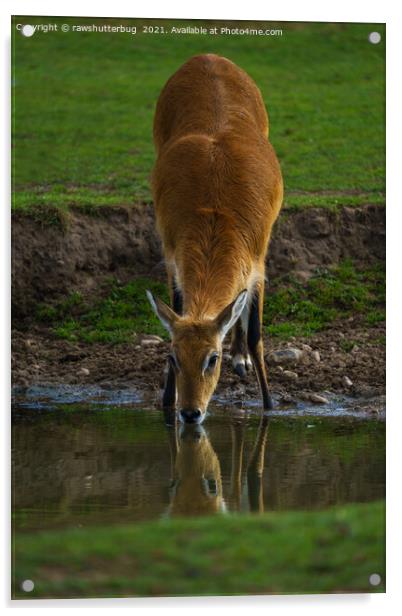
<point x="286" y="356"/>
<point x="290" y="375"/>
<point x="317" y="399"/>
<point x="150" y="341"/>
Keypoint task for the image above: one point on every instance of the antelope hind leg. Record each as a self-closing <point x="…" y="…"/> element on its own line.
<point x="255" y="343"/>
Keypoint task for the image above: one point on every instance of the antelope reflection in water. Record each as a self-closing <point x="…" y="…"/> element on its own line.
<point x="196" y="486"/>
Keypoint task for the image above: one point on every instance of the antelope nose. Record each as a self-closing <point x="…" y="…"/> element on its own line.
<point x="190" y="415"/>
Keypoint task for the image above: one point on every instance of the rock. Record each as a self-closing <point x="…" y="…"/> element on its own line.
<point x="316" y="356"/>
<point x="148" y="343"/>
<point x="332" y="349"/>
<point x="306" y="347"/>
<point x="347" y="382"/>
<point x="355" y="348"/>
<point x="290" y="375"/>
<point x="151" y="340"/>
<point x="317" y="399"/>
<point x="83" y="371"/>
<point x="341" y="335"/>
<point x="286" y="356"/>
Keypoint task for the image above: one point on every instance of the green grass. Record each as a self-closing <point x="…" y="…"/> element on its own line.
<point x="283" y="552"/>
<point x="298" y="309"/>
<point x="83" y="106"/>
<point x="293" y="309"/>
<point x="123" y="313"/>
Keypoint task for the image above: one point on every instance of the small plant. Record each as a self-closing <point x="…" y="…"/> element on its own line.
<point x="347" y="345"/>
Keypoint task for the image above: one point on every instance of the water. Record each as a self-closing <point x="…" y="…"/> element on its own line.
<point x="78" y="464"/>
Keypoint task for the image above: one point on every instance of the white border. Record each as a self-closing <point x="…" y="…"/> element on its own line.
<point x="342" y="10"/>
<point x="287" y="10"/>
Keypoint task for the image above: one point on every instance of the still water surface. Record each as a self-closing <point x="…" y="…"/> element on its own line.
<point x="76" y="465"/>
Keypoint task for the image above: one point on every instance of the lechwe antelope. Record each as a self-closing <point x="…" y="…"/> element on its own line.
<point x="217" y="190"/>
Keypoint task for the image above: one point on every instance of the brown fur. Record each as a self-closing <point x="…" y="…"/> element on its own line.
<point x="196" y="462"/>
<point x="217" y="190"/>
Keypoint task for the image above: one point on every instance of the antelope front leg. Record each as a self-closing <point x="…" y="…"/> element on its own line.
<point x="255" y="343"/>
<point x="169" y="394"/>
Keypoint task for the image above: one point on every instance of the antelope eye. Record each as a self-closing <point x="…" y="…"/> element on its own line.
<point x="212" y="361"/>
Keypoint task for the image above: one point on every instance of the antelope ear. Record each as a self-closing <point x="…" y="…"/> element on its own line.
<point x="166" y="315"/>
<point x="229" y="315"/>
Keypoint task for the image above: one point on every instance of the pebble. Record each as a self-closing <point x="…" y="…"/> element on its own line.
<point x="315" y="355"/>
<point x="355" y="349"/>
<point x="290" y="375"/>
<point x="347" y="382"/>
<point x="286" y="356"/>
<point x="332" y="349"/>
<point x="151" y="340"/>
<point x="341" y="335"/>
<point x="83" y="371"/>
<point x="306" y="347"/>
<point x="317" y="399"/>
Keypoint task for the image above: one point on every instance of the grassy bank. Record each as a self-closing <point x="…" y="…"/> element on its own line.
<point x="331" y="551"/>
<point x="291" y="309"/>
<point x="83" y="105"/>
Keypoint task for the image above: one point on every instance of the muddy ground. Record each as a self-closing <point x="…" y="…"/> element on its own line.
<point x="325" y="367"/>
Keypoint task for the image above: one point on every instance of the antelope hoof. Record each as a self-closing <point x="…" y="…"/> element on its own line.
<point x="240" y="370"/>
<point x="268" y="403"/>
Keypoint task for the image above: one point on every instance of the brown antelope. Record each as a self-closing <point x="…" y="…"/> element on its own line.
<point x="196" y="480"/>
<point x="196" y="474"/>
<point x="217" y="190"/>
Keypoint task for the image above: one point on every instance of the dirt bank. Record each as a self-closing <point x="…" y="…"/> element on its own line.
<point x="51" y="260"/>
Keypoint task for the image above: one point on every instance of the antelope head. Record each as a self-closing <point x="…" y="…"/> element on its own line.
<point x="196" y="353"/>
